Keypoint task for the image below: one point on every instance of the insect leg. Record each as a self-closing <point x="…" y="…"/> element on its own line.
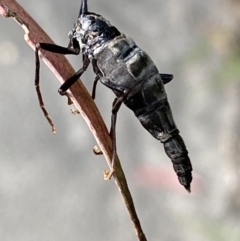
<point x="55" y="49"/>
<point x="73" y="47"/>
<point x="166" y="78"/>
<point x="98" y="75"/>
<point x="39" y="95"/>
<point x="69" y="82"/>
<point x="116" y="106"/>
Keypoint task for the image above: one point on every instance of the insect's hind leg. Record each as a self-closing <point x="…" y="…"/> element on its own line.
<point x="116" y="106"/>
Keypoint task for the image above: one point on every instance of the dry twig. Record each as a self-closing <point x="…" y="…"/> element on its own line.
<point x="80" y="97"/>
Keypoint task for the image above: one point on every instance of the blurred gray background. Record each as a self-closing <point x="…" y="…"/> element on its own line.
<point x="52" y="187"/>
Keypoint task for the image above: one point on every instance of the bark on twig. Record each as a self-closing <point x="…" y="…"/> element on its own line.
<point x="80" y="97"/>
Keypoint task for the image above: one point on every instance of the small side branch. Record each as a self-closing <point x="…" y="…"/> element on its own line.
<point x="80" y="97"/>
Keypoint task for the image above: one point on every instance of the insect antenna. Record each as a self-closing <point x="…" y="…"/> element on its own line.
<point x="40" y="100"/>
<point x="84" y="8"/>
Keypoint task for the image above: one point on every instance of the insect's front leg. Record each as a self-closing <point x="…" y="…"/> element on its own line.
<point x="73" y="48"/>
<point x="69" y="82"/>
<point x="53" y="48"/>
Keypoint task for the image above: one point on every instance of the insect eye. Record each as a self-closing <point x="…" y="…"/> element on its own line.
<point x="92" y="19"/>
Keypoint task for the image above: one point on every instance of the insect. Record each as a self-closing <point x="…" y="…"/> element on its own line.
<point x="130" y="73"/>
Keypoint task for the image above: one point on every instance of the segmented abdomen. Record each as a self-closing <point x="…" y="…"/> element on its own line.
<point x="124" y="66"/>
<point x="151" y="107"/>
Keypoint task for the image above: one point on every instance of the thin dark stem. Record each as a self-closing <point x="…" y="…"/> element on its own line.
<point x="80" y="97"/>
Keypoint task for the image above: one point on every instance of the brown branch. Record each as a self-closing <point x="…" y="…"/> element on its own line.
<point x="80" y="97"/>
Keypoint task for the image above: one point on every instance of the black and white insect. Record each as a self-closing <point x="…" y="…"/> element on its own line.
<point x="130" y="73"/>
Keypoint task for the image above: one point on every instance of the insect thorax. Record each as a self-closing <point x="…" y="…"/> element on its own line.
<point x="93" y="32"/>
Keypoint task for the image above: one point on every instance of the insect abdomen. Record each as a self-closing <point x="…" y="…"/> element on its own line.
<point x="177" y="152"/>
<point x="151" y="107"/>
<point x="126" y="67"/>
